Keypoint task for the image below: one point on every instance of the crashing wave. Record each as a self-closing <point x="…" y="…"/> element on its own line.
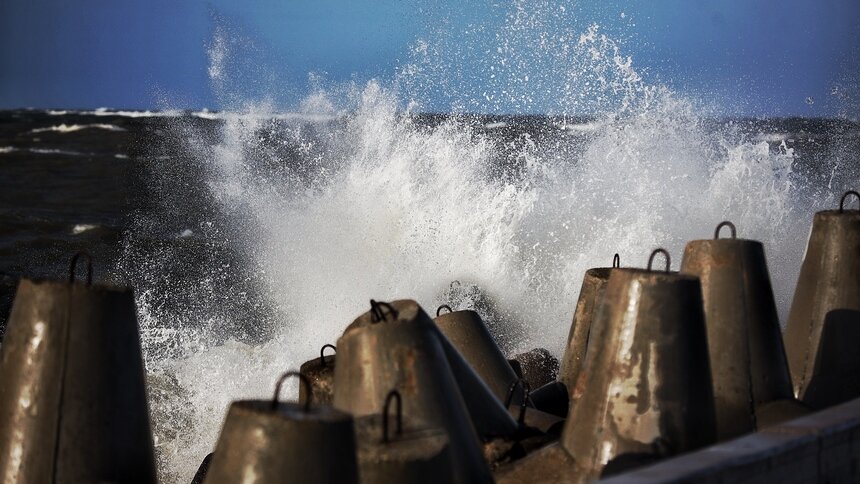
<point x="71" y="128"/>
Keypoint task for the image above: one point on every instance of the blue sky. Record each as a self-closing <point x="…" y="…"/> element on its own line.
<point x="751" y="57"/>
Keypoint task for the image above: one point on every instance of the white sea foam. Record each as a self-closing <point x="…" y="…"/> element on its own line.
<point x="81" y="228"/>
<point x="71" y="128"/>
<point x="133" y="114"/>
<point x="402" y="212"/>
<point x="116" y="112"/>
<point x="7" y="149"/>
<point x="500" y="124"/>
<point x="56" y="151"/>
<point x="206" y="114"/>
<point x="302" y="117"/>
<point x="394" y="210"/>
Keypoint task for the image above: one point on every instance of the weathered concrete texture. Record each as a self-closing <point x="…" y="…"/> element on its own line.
<point x="264" y="441"/>
<point x="590" y="298"/>
<point x="320" y="372"/>
<point x="468" y="334"/>
<point x="73" y="403"/>
<point x="552" y="398"/>
<point x="549" y="464"/>
<point x="828" y="281"/>
<point x="748" y="362"/>
<point x="413" y="453"/>
<point x="647" y="392"/>
<point x="774" y="413"/>
<point x="397" y="346"/>
<point x="822" y="447"/>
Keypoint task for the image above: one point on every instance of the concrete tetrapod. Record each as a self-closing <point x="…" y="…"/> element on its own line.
<point x="266" y="441"/>
<point x="396" y="345"/>
<point x="646" y="395"/>
<point x="748" y="363"/>
<point x="320" y="373"/>
<point x="648" y="392"/>
<point x="410" y="452"/>
<point x="73" y="405"/>
<point x="485" y="409"/>
<point x="590" y="298"/>
<point x="469" y="335"/>
<point x="829" y="280"/>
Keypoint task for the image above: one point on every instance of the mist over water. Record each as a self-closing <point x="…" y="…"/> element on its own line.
<point x="298" y="219"/>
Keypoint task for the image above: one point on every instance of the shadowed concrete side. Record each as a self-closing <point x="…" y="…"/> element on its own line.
<point x="822" y="447"/>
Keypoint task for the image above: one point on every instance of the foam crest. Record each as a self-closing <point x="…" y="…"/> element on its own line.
<point x="71" y="128"/>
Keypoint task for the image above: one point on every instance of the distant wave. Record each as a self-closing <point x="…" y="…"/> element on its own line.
<point x="81" y="228"/>
<point x="54" y="151"/>
<point x="207" y="114"/>
<point x="203" y="114"/>
<point x="70" y="128"/>
<point x="305" y="117"/>
<point x="50" y="151"/>
<point x="500" y="124"/>
<point x="133" y="114"/>
<point x="111" y="112"/>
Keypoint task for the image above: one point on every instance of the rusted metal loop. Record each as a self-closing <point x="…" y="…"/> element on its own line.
<point x="513" y="387"/>
<point x="304" y="381"/>
<point x="322" y="351"/>
<point x="665" y="254"/>
<point x="511" y="392"/>
<point x="728" y="224"/>
<point x="526" y="395"/>
<point x="842" y="202"/>
<point x="74" y="265"/>
<point x="444" y="306"/>
<point x="616" y="261"/>
<point x="392" y="395"/>
<point x="376" y="313"/>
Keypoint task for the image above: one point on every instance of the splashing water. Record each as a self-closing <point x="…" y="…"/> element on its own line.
<point x="374" y="202"/>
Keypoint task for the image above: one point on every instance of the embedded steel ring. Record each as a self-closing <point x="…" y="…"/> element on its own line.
<point x="322" y="352"/>
<point x="444" y="306"/>
<point x="74" y="265"/>
<point x="731" y="227"/>
<point x="304" y="381"/>
<point x="376" y="311"/>
<point x="392" y="395"/>
<point x="842" y="202"/>
<point x="526" y="394"/>
<point x="665" y="254"/>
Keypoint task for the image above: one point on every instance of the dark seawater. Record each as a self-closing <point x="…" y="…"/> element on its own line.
<point x="132" y="187"/>
<point x="82" y="189"/>
<point x="252" y="239"/>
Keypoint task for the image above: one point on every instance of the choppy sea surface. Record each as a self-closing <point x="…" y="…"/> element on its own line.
<point x="252" y="238"/>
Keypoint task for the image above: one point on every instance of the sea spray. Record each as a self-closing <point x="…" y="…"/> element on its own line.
<point x="303" y="221"/>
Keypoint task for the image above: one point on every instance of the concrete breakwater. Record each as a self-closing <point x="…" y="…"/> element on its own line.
<point x="658" y="364"/>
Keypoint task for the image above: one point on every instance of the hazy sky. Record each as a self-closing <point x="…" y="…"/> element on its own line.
<point x="754" y="57"/>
